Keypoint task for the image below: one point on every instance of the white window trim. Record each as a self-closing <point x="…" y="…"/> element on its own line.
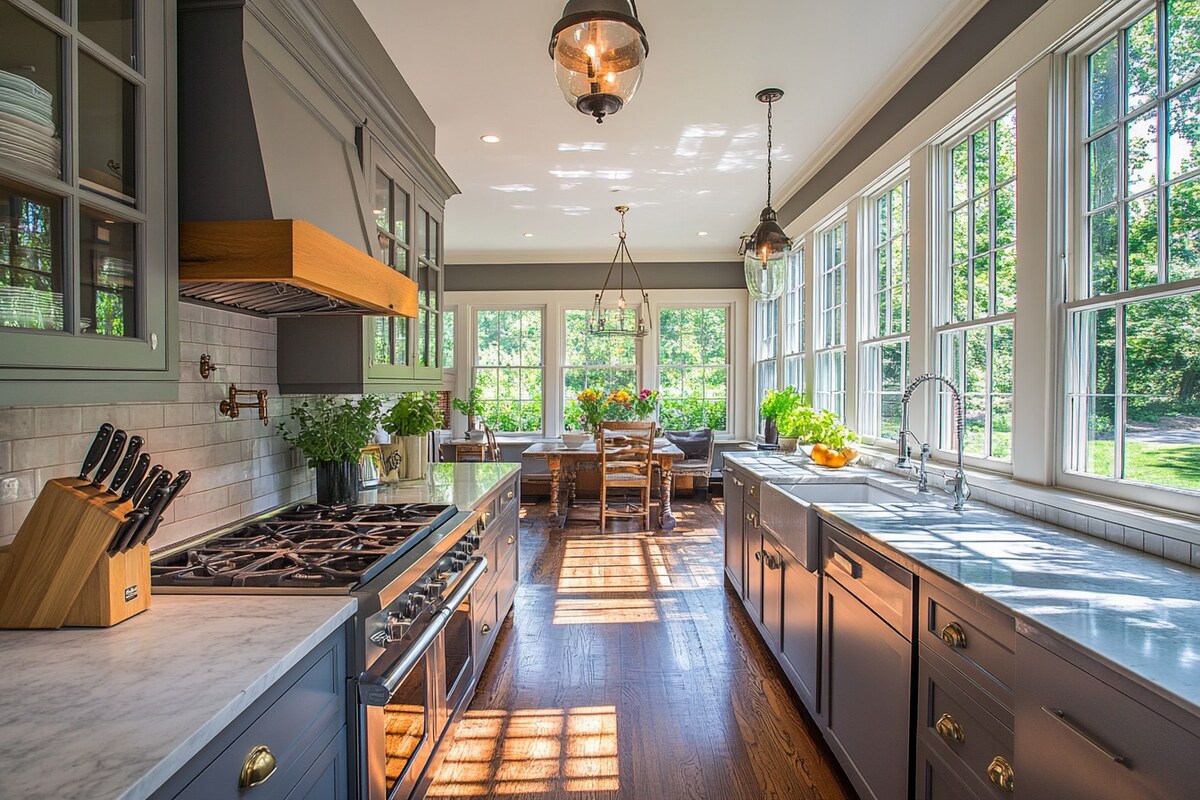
<point x="467" y="376"/>
<point x="730" y="419"/>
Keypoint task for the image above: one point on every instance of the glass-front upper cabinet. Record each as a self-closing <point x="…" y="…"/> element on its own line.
<point x="87" y="197"/>
<point x="408" y="238"/>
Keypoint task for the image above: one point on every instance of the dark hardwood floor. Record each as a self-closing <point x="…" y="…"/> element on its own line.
<point x="628" y="671"/>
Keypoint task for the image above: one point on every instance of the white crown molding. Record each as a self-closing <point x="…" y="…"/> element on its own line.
<point x="915" y="57"/>
<point x="576" y="256"/>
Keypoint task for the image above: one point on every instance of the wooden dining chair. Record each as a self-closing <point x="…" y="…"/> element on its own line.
<point x="491" y="449"/>
<point x="626" y="463"/>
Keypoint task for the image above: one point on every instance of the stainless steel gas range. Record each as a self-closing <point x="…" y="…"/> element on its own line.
<point x="411" y="568"/>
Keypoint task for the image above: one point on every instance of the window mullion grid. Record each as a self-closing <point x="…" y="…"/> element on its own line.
<point x="1119" y="404"/>
<point x="1164" y="136"/>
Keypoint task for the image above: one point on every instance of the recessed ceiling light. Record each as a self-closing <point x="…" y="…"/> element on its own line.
<point x="489" y="138"/>
<point x="702" y="233"/>
<point x="528" y="235"/>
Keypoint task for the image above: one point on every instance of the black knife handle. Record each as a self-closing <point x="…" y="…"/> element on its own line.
<point x="96" y="450"/>
<point x="110" y="458"/>
<point x="135" y="444"/>
<point x="154" y="507"/>
<point x="127" y="530"/>
<point x="135" y="477"/>
<point x="147" y="484"/>
<point x="173" y="490"/>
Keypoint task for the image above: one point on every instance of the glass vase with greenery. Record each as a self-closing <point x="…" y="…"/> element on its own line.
<point x="470" y="407"/>
<point x="331" y="435"/>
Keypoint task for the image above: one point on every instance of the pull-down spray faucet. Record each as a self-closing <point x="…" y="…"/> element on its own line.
<point x="959" y="483"/>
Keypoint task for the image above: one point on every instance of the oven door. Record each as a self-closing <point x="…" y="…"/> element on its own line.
<point x="407" y="697"/>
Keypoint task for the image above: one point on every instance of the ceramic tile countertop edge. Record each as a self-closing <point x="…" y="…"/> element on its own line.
<point x="1153" y="677"/>
<point x="120" y="710"/>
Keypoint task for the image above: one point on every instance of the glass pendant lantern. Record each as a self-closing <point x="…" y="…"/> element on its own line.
<point x="766" y="250"/>
<point x="599" y="48"/>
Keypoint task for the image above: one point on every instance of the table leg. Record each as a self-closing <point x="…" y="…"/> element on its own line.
<point x="668" y="519"/>
<point x="555" y="466"/>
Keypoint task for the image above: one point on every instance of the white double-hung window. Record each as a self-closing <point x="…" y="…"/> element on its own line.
<point x="595" y="361"/>
<point x="883" y="352"/>
<point x="766" y="347"/>
<point x="793" y="321"/>
<point x="1133" y="311"/>
<point x="509" y="367"/>
<point x="977" y="284"/>
<point x="829" y="391"/>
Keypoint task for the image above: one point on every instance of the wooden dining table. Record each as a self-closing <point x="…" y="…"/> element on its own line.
<point x="563" y="461"/>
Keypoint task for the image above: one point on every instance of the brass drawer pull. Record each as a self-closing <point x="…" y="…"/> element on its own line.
<point x="736" y="482"/>
<point x="954" y="635"/>
<point x="752" y="518"/>
<point x="754" y="490"/>
<point x="485" y="629"/>
<point x="258" y="767"/>
<point x="758" y="555"/>
<point x="1000" y="773"/>
<point x="949" y="729"/>
<point x="509" y="495"/>
<point x="1061" y="716"/>
<point x="511" y="538"/>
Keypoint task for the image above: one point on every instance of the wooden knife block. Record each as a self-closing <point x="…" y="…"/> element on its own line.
<point x="57" y="571"/>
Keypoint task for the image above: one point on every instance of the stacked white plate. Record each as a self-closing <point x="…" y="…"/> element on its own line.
<point x="27" y="124"/>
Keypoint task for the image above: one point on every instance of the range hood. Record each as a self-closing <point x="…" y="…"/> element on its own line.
<point x="286" y="267"/>
<point x="273" y="202"/>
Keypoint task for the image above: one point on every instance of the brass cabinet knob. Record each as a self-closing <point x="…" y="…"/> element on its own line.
<point x="954" y="636"/>
<point x="1000" y="773"/>
<point x="511" y="539"/>
<point x="949" y="729"/>
<point x="485" y="629"/>
<point x="258" y="767"/>
<point x="753" y="489"/>
<point x="509" y="495"/>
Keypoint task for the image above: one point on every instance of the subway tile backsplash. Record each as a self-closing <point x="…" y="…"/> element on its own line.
<point x="239" y="467"/>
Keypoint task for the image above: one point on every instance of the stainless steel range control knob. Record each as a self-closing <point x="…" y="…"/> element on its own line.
<point x="416" y="603"/>
<point x="397" y="626"/>
<point x="466" y="547"/>
<point x="433" y="588"/>
<point x="458" y="562"/>
<point x="472" y="540"/>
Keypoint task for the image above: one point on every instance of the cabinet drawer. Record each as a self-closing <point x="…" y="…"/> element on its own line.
<point x="886" y="588"/>
<point x="294" y="728"/>
<point x="936" y="781"/>
<point x="976" y="639"/>
<point x="968" y="733"/>
<point x="507" y="499"/>
<point x="486" y="620"/>
<point x="753" y="490"/>
<point x="506" y="582"/>
<point x="1077" y="736"/>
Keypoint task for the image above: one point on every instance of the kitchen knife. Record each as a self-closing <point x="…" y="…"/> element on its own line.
<point x="135" y="477"/>
<point x="135" y="444"/>
<point x="127" y="529"/>
<point x="110" y="458"/>
<point x="96" y="450"/>
<point x="147" y="484"/>
<point x="154" y="504"/>
<point x="149" y="529"/>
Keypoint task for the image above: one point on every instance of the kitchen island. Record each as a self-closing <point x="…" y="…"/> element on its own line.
<point x="118" y="713"/>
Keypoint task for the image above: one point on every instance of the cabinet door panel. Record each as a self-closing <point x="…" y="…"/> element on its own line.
<point x="801" y="644"/>
<point x="328" y="777"/>
<point x="734" y="526"/>
<point x="935" y="781"/>
<point x="754" y="565"/>
<point x="1071" y="725"/>
<point x="772" y="591"/>
<point x="868" y="681"/>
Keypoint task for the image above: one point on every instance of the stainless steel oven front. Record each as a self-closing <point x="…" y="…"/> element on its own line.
<point x="422" y="673"/>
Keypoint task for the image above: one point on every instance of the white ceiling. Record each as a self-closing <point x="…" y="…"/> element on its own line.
<point x="688" y="154"/>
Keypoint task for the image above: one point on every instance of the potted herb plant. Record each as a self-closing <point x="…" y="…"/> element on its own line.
<point x="776" y="403"/>
<point x="331" y="435"/>
<point x="410" y="422"/>
<point x="795" y="426"/>
<point x="470" y="408"/>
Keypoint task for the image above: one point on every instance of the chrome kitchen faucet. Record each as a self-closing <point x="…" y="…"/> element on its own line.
<point x="958" y="483"/>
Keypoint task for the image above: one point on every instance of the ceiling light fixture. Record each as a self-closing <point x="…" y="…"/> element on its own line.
<point x="702" y="233"/>
<point x="489" y="138"/>
<point x="627" y="321"/>
<point x="527" y="235"/>
<point x="599" y="48"/>
<point x="767" y="248"/>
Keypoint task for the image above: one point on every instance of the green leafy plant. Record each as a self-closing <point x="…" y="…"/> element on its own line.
<point x="777" y="402"/>
<point x="798" y="422"/>
<point x="415" y="414"/>
<point x="326" y="430"/>
<point x="472" y="406"/>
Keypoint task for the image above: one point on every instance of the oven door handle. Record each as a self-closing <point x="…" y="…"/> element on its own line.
<point x="377" y="690"/>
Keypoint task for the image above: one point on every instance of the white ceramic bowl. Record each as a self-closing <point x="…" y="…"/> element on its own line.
<point x="574" y="441"/>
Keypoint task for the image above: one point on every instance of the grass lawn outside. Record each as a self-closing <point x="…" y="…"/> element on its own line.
<point x="1175" y="465"/>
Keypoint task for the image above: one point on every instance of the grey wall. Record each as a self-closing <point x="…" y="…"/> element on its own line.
<point x="990" y="26"/>
<point x="564" y="277"/>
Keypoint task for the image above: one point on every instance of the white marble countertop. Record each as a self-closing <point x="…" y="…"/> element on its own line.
<point x="1130" y="610"/>
<point x="105" y="713"/>
<point x="463" y="484"/>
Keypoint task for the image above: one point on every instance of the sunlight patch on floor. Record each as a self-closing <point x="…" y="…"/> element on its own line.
<point x="532" y="751"/>
<point x="606" y="611"/>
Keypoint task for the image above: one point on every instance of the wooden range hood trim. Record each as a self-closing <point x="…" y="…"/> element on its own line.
<point x="293" y="252"/>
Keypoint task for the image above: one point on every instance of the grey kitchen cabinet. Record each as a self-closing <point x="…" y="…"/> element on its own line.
<point x="500" y="542"/>
<point x="936" y="781"/>
<point x="970" y="635"/>
<point x="301" y="721"/>
<point x="867" y="669"/>
<point x="772" y="566"/>
<point x="751" y="544"/>
<point x="735" y="547"/>
<point x="1079" y="736"/>
<point x="800" y="650"/>
<point x="88" y="260"/>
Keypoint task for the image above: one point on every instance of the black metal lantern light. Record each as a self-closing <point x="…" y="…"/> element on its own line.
<point x="627" y="321"/>
<point x="766" y="249"/>
<point x="599" y="48"/>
